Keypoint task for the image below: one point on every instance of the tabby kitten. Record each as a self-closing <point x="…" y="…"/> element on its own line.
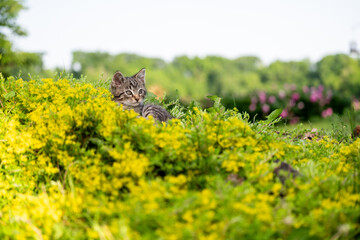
<point x="130" y="92"/>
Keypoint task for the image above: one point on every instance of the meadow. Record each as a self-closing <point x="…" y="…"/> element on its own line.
<point x="76" y="166"/>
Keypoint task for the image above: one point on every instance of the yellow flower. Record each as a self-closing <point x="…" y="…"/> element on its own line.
<point x="187" y="216"/>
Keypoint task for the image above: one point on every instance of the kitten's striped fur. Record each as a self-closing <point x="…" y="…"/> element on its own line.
<point x="130" y="92"/>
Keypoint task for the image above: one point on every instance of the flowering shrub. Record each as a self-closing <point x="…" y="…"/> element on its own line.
<point x="76" y="166"/>
<point x="298" y="104"/>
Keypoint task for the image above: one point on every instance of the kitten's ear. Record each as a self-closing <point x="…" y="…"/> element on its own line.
<point x="118" y="78"/>
<point x="141" y="75"/>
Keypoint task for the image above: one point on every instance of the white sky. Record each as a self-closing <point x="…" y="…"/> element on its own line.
<point x="269" y="29"/>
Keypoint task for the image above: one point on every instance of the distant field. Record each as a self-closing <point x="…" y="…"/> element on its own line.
<point x="328" y="125"/>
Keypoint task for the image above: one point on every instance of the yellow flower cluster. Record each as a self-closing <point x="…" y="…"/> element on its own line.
<point x="74" y="165"/>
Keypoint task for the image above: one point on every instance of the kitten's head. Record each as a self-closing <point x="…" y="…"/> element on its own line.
<point x="129" y="91"/>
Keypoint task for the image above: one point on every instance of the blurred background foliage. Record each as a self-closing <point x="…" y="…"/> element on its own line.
<point x="302" y="88"/>
<point x="13" y="62"/>
<point x="197" y="77"/>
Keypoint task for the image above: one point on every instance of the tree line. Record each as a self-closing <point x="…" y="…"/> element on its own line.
<point x="214" y="75"/>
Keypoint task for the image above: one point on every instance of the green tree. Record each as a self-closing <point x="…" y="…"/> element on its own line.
<point x="12" y="62"/>
<point x="248" y="63"/>
<point x="9" y="10"/>
<point x="341" y="73"/>
<point x="279" y="73"/>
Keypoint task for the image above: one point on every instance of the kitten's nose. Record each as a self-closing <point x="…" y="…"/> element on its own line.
<point x="137" y="97"/>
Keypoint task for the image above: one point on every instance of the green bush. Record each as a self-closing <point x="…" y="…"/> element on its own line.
<point x="76" y="166"/>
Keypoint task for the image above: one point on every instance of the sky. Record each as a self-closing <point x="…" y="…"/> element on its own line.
<point x="270" y="29"/>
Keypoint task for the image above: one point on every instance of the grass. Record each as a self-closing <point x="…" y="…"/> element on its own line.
<point x="334" y="125"/>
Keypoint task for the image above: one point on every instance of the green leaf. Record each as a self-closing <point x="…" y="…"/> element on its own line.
<point x="217" y="104"/>
<point x="273" y="115"/>
<point x="9" y="95"/>
<point x="151" y="98"/>
<point x="216" y="100"/>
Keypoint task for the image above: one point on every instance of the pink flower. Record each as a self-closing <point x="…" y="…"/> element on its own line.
<point x="313" y="97"/>
<point x="317" y="95"/>
<point x="356" y="104"/>
<point x="252" y="107"/>
<point x="262" y="97"/>
<point x="294" y="120"/>
<point x="265" y="108"/>
<point x="284" y="113"/>
<point x="328" y="97"/>
<point x="295" y="96"/>
<point x="305" y="89"/>
<point x="327" y="112"/>
<point x="324" y="114"/>
<point x="282" y="94"/>
<point x="300" y="105"/>
<point x="330" y="111"/>
<point x="292" y="103"/>
<point x="272" y="99"/>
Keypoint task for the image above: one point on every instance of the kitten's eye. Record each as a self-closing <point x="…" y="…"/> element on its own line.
<point x="128" y="92"/>
<point x="141" y="91"/>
